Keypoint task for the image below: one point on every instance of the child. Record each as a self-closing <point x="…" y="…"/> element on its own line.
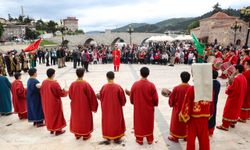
<point x="216" y="91"/>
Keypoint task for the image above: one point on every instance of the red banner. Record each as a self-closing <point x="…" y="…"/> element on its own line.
<point x="33" y="46"/>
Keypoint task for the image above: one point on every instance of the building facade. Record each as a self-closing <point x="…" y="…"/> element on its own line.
<point x="219" y="27"/>
<point x="13" y="30"/>
<point x="3" y="21"/>
<point x="71" y="23"/>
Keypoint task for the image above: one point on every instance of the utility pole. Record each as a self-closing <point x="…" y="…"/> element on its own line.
<point x="130" y="30"/>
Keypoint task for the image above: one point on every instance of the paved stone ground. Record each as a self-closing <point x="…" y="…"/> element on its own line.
<point x="21" y="135"/>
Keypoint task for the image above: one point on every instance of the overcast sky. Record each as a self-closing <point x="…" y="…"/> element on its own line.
<point x="106" y="14"/>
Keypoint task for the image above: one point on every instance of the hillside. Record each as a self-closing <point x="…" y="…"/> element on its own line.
<point x="134" y="25"/>
<point x="160" y="27"/>
<point x="174" y="24"/>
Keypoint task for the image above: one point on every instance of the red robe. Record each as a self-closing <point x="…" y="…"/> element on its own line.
<point x="227" y="57"/>
<point x="245" y="109"/>
<point x="176" y="98"/>
<point x="218" y="54"/>
<point x="112" y="99"/>
<point x="244" y="60"/>
<point x="233" y="60"/>
<point x="157" y="56"/>
<point x="116" y="57"/>
<point x="19" y="97"/>
<point x="83" y="103"/>
<point x="236" y="94"/>
<point x="51" y="94"/>
<point x="141" y="56"/>
<point x="196" y="114"/>
<point x="144" y="97"/>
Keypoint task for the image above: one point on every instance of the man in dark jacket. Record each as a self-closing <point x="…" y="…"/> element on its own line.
<point x="74" y="58"/>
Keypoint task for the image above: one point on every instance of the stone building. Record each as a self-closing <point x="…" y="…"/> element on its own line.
<point x="3" y="21"/>
<point x="218" y="27"/>
<point x="13" y="30"/>
<point x="71" y="23"/>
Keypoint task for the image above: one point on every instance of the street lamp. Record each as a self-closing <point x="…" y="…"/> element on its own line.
<point x="63" y="28"/>
<point x="235" y="27"/>
<point x="245" y="15"/>
<point x="130" y="30"/>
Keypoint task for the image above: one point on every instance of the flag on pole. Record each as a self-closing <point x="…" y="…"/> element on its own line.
<point x="33" y="46"/>
<point x="200" y="47"/>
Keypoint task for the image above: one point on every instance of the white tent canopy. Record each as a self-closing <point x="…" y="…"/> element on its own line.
<point x="162" y="38"/>
<point x="184" y="38"/>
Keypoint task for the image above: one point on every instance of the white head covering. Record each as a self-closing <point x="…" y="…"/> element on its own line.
<point x="203" y="81"/>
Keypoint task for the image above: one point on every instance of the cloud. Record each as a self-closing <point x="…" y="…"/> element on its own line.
<point x="102" y="14"/>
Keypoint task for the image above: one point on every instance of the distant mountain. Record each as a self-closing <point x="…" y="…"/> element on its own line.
<point x="172" y="21"/>
<point x="160" y="27"/>
<point x="174" y="24"/>
<point x="124" y="28"/>
<point x="147" y="28"/>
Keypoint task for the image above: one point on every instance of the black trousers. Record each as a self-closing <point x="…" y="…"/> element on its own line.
<point x="47" y="61"/>
<point x="75" y="63"/>
<point x="53" y="61"/>
<point x="86" y="65"/>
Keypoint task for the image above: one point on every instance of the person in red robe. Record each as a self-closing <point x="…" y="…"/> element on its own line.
<point x="83" y="103"/>
<point x="144" y="97"/>
<point x="51" y="94"/>
<point x="112" y="99"/>
<point x="196" y="115"/>
<point x="245" y="58"/>
<point x="245" y="109"/>
<point x="232" y="58"/>
<point x="116" y="58"/>
<point x="141" y="57"/>
<point x="19" y="97"/>
<point x="197" y="107"/>
<point x="217" y="53"/>
<point x="226" y="55"/>
<point x="236" y="92"/>
<point x="176" y="98"/>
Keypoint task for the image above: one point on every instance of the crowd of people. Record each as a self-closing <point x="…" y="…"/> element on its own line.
<point x="153" y="53"/>
<point x="191" y="118"/>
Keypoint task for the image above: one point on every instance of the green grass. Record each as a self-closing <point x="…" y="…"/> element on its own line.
<point x="45" y="42"/>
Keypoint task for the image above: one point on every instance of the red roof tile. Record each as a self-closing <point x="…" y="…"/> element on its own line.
<point x="221" y="15"/>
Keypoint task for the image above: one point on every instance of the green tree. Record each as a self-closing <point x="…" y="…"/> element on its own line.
<point x="20" y="19"/>
<point x="193" y="25"/>
<point x="30" y="34"/>
<point x="9" y="17"/>
<point x="1" y="30"/>
<point x="40" y="25"/>
<point x="51" y="26"/>
<point x="79" y="31"/>
<point x="217" y="7"/>
<point x="27" y="20"/>
<point x="232" y="12"/>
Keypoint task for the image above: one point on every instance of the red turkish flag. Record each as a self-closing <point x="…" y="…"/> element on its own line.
<point x="33" y="46"/>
